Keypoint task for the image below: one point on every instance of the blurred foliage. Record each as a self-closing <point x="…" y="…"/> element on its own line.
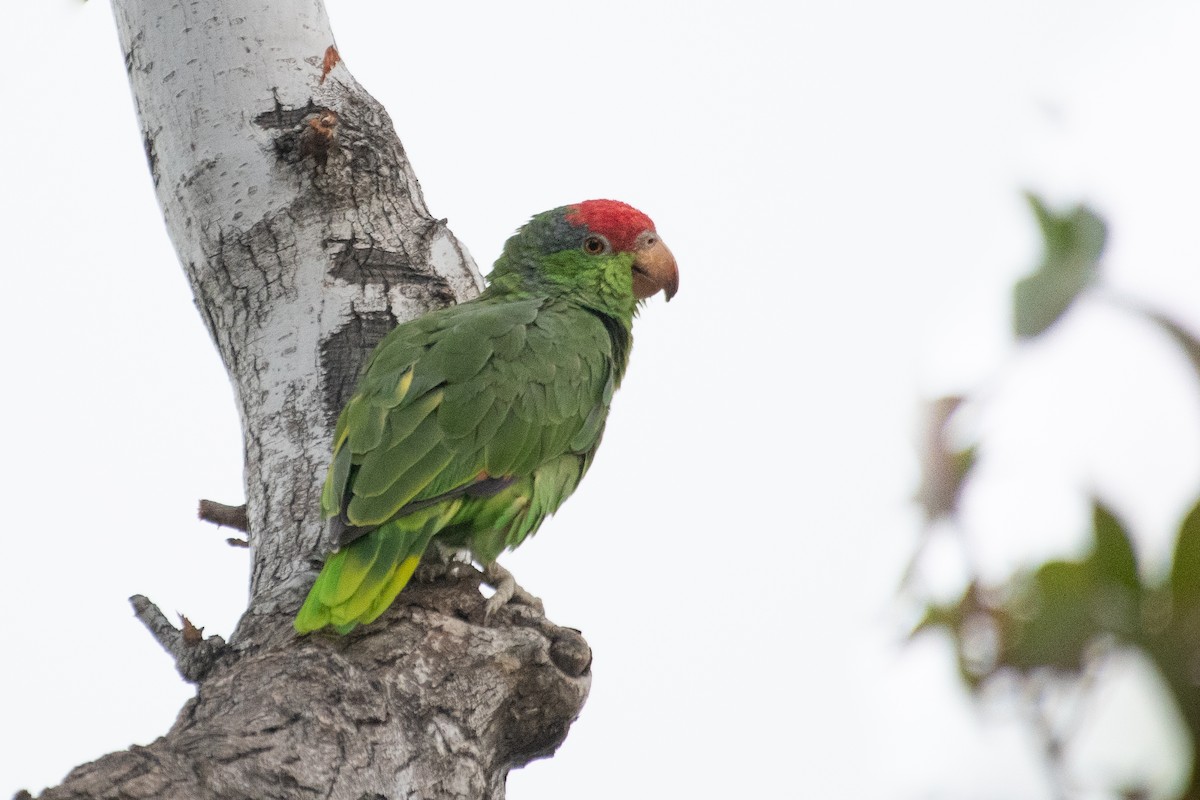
<point x="1074" y="242"/>
<point x="1051" y="623"/>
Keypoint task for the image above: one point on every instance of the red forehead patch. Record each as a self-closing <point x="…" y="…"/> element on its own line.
<point x="618" y="222"/>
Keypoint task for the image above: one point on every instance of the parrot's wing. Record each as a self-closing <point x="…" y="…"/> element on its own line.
<point x="466" y="398"/>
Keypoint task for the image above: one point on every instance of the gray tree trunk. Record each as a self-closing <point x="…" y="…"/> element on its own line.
<point x="302" y="229"/>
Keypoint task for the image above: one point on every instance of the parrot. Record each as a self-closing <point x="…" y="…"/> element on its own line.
<point x="471" y="424"/>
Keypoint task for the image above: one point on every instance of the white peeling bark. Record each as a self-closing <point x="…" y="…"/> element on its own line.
<point x="302" y="254"/>
<point x="296" y="268"/>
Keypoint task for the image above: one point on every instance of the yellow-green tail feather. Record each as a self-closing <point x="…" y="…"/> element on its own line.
<point x="360" y="581"/>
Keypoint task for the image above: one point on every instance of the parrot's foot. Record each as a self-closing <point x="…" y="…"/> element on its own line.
<point x="440" y="563"/>
<point x="507" y="590"/>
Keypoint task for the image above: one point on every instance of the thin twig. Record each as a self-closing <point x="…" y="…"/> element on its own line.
<point x="224" y="516"/>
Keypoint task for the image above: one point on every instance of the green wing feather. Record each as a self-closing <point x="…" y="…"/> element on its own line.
<point x="514" y="389"/>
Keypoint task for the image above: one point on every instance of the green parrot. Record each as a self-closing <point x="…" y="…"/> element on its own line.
<point x="472" y="424"/>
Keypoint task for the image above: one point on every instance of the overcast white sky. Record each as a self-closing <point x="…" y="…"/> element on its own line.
<point x="840" y="184"/>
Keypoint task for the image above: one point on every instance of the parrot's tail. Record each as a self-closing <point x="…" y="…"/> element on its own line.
<point x="361" y="580"/>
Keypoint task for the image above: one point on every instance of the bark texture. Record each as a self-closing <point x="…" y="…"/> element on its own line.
<point x="302" y="229"/>
<point x="299" y="264"/>
<point x="425" y="704"/>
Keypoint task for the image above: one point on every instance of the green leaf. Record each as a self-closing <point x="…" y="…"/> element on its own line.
<point x="1052" y="619"/>
<point x="1074" y="242"/>
<point x="1185" y="566"/>
<point x="1180" y="335"/>
<point x="939" y="616"/>
<point x="1113" y="557"/>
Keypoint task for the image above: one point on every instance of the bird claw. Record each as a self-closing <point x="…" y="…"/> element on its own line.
<point x="507" y="590"/>
<point x="438" y="563"/>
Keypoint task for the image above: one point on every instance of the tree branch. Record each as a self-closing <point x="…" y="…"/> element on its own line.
<point x="424" y="703"/>
<point x="194" y="655"/>
<point x="224" y="516"/>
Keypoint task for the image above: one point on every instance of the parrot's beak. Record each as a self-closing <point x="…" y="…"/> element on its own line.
<point x="654" y="268"/>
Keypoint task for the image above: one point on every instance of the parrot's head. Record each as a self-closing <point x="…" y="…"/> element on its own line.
<point x="603" y="253"/>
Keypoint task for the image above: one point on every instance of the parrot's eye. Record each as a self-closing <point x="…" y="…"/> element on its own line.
<point x="595" y="245"/>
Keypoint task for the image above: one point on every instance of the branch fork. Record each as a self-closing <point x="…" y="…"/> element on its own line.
<point x="194" y="655"/>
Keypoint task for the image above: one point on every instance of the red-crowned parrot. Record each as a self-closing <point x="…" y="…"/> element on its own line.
<point x="473" y="423"/>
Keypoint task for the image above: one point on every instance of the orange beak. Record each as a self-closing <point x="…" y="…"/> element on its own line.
<point x="654" y="269"/>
